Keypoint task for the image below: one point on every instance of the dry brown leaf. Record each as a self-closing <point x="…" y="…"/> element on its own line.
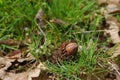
<point x="15" y="54"/>
<point x="27" y="58"/>
<point x="113" y="29"/>
<point x="21" y="76"/>
<point x="113" y="8"/>
<point x="5" y="63"/>
<point x="113" y="2"/>
<point x="101" y="2"/>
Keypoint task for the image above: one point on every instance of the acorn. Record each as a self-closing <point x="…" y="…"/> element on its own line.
<point x="71" y="48"/>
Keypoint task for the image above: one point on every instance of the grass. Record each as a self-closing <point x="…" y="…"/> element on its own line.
<point x="15" y="16"/>
<point x="17" y="22"/>
<point x="86" y="62"/>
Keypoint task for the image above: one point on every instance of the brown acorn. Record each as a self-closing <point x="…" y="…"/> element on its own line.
<point x="71" y="48"/>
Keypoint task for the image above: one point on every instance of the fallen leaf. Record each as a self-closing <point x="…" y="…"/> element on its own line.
<point x="5" y="63"/>
<point x="113" y="2"/>
<point x="28" y="75"/>
<point x="22" y="76"/>
<point x="105" y="2"/>
<point x="113" y="8"/>
<point x="21" y="63"/>
<point x="15" y="54"/>
<point x="113" y="29"/>
<point x="28" y="57"/>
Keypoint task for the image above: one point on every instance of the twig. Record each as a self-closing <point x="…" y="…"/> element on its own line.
<point x="85" y="32"/>
<point x="39" y="27"/>
<point x="11" y="42"/>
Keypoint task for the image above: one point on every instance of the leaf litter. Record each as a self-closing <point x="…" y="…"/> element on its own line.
<point x="112" y="29"/>
<point x="15" y="69"/>
<point x="17" y="66"/>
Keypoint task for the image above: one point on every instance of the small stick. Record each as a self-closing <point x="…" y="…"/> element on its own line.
<point x="11" y="42"/>
<point x="41" y="30"/>
<point x="85" y="32"/>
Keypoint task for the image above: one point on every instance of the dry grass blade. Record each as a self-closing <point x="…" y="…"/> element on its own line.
<point x="40" y="18"/>
<point x="114" y="51"/>
<point x="12" y="42"/>
<point x="115" y="68"/>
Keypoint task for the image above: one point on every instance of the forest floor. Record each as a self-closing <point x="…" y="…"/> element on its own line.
<point x="59" y="40"/>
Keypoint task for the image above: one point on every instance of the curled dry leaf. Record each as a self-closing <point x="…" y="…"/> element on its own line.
<point x="22" y="76"/>
<point x="28" y="57"/>
<point x="113" y="29"/>
<point x="113" y="8"/>
<point x="15" y="54"/>
<point x="5" y="63"/>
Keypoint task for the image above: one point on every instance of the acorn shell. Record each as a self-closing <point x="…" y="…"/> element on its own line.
<point x="71" y="48"/>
